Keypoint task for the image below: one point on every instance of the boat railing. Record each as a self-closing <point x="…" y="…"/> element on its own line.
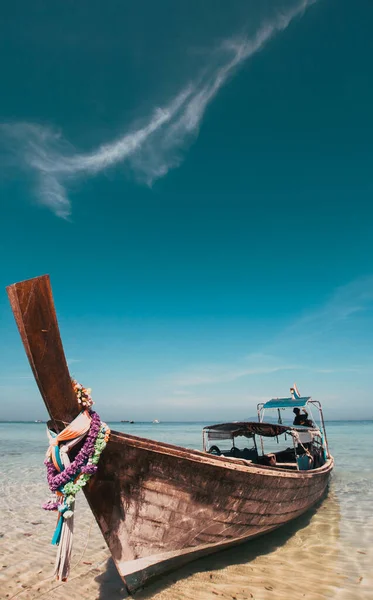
<point x="281" y="404"/>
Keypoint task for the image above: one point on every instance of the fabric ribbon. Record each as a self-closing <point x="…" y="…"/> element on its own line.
<point x="59" y="446"/>
<point x="76" y="429"/>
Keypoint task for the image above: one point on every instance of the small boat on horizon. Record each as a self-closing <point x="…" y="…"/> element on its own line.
<point x="160" y="506"/>
<point x="155" y="421"/>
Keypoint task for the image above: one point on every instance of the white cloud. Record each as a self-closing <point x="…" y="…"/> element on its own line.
<point x="254" y="364"/>
<point x="347" y="301"/>
<point x="16" y="377"/>
<point x="73" y="361"/>
<point x="152" y="149"/>
<point x="295" y="344"/>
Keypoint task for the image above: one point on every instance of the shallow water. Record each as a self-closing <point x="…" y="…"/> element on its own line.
<point x="327" y="553"/>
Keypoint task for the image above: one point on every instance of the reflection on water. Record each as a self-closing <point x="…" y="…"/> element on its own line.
<point x="327" y="553"/>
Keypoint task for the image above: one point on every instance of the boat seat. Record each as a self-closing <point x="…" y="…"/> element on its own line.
<point x="241" y="461"/>
<point x="249" y="454"/>
<point x="289" y="465"/>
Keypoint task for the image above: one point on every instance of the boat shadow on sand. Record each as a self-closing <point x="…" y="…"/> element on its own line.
<point x="112" y="587"/>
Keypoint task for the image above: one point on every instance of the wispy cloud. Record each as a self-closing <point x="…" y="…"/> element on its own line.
<point x="254" y="364"/>
<point x="16" y="377"/>
<point x="354" y="297"/>
<point x="361" y="369"/>
<point x="73" y="361"/>
<point x="151" y="149"/>
<point x="295" y="344"/>
<point x="346" y="302"/>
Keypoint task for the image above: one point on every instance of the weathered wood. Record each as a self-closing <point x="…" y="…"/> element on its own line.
<point x="158" y="508"/>
<point x="159" y="505"/>
<point x="35" y="315"/>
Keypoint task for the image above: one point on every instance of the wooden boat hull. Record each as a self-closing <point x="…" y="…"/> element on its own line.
<point x="158" y="505"/>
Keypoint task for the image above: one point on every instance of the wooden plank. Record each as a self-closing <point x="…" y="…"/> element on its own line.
<point x="35" y="315"/>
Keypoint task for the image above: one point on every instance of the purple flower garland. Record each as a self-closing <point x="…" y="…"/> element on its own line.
<point x="57" y="480"/>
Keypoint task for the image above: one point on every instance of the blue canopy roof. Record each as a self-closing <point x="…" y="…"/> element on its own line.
<point x="286" y="402"/>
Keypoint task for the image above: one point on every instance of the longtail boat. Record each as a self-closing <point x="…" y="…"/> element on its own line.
<point x="158" y="505"/>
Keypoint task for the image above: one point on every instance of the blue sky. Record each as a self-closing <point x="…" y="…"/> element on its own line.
<point x="196" y="179"/>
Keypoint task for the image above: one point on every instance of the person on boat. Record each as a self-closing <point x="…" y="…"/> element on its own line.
<point x="299" y="418"/>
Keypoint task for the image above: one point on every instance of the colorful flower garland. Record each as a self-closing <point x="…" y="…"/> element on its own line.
<point x="66" y="484"/>
<point x="83" y="394"/>
<point x="66" y="478"/>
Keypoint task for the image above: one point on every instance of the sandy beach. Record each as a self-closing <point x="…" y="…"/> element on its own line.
<point x="327" y="553"/>
<point x="304" y="560"/>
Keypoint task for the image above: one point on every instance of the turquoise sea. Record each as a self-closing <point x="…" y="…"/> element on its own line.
<point x="336" y="555"/>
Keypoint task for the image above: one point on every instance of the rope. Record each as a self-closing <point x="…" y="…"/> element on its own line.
<point x="51" y="576"/>
<point x="86" y="544"/>
<point x="72" y="579"/>
<point x="295" y="434"/>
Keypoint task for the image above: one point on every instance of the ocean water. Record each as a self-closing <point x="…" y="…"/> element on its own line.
<point x="331" y="549"/>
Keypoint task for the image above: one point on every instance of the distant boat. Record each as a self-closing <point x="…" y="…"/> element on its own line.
<point x="39" y="421"/>
<point x="124" y="421"/>
<point x="159" y="505"/>
<point x="155" y="421"/>
<point x="132" y="422"/>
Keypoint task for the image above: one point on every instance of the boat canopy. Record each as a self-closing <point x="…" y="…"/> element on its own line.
<point x="287" y="402"/>
<point x="244" y="428"/>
